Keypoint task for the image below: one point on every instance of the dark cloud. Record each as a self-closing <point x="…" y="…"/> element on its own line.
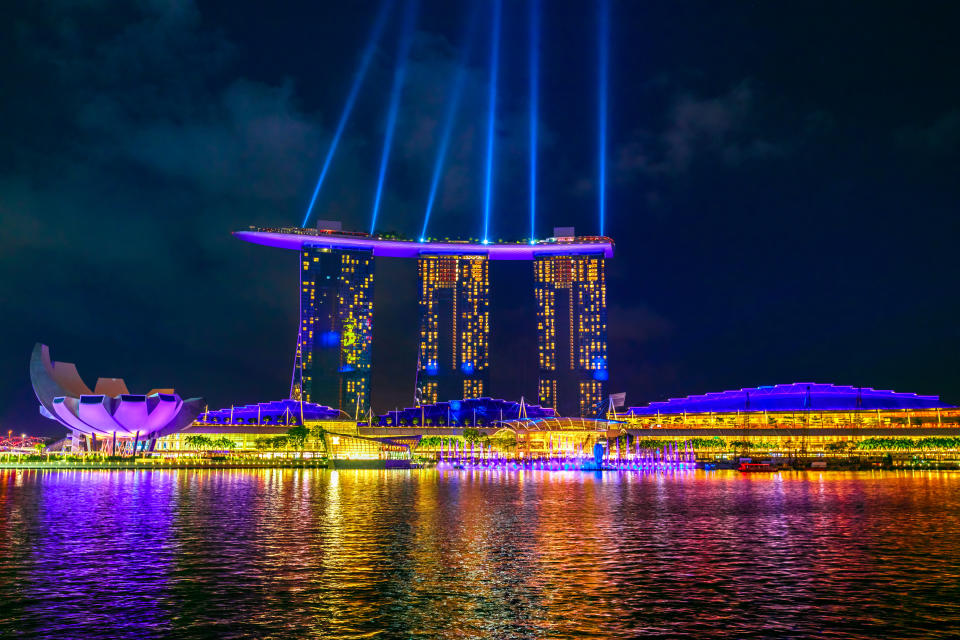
<point x="720" y="129"/>
<point x="940" y="138"/>
<point x="783" y="188"/>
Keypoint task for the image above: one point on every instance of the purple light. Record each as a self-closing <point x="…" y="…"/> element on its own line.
<point x="408" y="249"/>
<point x="792" y="397"/>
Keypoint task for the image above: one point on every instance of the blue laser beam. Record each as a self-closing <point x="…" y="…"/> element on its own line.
<point x="491" y="116"/>
<point x="378" y="25"/>
<point x="403" y="49"/>
<point x="603" y="56"/>
<point x="453" y="102"/>
<point x="534" y="109"/>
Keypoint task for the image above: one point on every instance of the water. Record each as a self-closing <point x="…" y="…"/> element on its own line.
<point x="458" y="554"/>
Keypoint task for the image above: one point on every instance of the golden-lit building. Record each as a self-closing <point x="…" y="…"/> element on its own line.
<point x="571" y="296"/>
<point x="553" y="437"/>
<point x="265" y="430"/>
<point x="454" y="302"/>
<point x="795" y="416"/>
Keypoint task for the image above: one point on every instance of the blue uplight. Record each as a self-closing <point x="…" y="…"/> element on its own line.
<point x="467" y="367"/>
<point x="378" y="26"/>
<point x="491" y="115"/>
<point x="534" y="104"/>
<point x="452" y="103"/>
<point x="329" y="339"/>
<point x="406" y="38"/>
<point x="603" y="37"/>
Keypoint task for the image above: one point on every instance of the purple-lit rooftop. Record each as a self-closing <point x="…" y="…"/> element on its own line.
<point x="276" y="413"/>
<point x="799" y="396"/>
<point x="296" y="238"/>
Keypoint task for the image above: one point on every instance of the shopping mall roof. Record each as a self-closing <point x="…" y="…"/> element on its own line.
<point x="798" y="396"/>
<point x="297" y="238"/>
<point x="285" y="412"/>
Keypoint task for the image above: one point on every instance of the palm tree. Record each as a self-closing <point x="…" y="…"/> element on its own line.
<point x="297" y="437"/>
<point x="198" y="441"/>
<point x="278" y="442"/>
<point x="223" y="442"/>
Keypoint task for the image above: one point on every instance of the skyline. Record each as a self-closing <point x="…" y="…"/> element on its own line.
<point x="778" y="218"/>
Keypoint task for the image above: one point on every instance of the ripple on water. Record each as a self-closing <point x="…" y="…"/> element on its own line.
<point x="454" y="554"/>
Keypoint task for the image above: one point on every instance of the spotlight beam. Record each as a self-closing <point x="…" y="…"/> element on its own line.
<point x="491" y="116"/>
<point x="603" y="56"/>
<point x="403" y="49"/>
<point x="453" y="103"/>
<point x="534" y="109"/>
<point x="365" y="59"/>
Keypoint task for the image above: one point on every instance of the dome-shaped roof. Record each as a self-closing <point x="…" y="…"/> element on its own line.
<point x="798" y="396"/>
<point x="277" y="412"/>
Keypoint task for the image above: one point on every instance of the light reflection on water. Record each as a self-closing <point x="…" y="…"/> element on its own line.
<point x="452" y="554"/>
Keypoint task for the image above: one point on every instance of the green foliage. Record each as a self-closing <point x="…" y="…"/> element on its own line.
<point x="757" y="445"/>
<point x="297" y="436"/>
<point x="837" y="447"/>
<point x="472" y="435"/>
<point x="222" y="442"/>
<point x="198" y="441"/>
<point x="909" y="444"/>
<point x="649" y="444"/>
<point x="433" y="442"/>
<point x="716" y="442"/>
<point x="504" y="442"/>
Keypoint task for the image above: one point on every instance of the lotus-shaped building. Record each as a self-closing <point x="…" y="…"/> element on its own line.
<point x="109" y="412"/>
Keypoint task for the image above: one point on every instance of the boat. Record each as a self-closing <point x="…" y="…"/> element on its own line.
<point x="757" y="467"/>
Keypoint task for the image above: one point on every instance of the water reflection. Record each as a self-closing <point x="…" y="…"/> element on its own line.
<point x="481" y="553"/>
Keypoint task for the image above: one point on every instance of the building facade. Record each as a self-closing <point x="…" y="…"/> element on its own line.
<point x="571" y="296"/>
<point x="454" y="304"/>
<point x="332" y="364"/>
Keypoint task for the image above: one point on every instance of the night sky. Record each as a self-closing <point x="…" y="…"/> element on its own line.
<point x="783" y="188"/>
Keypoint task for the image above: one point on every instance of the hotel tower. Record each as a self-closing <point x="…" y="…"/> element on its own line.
<point x="332" y="364"/>
<point x="454" y="338"/>
<point x="571" y="296"/>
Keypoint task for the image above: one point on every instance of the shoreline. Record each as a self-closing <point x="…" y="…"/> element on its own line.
<point x="345" y="465"/>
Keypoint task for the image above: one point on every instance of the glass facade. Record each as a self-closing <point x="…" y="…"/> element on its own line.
<point x="799" y="419"/>
<point x="454" y="303"/>
<point x="336" y="329"/>
<point x="571" y="293"/>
